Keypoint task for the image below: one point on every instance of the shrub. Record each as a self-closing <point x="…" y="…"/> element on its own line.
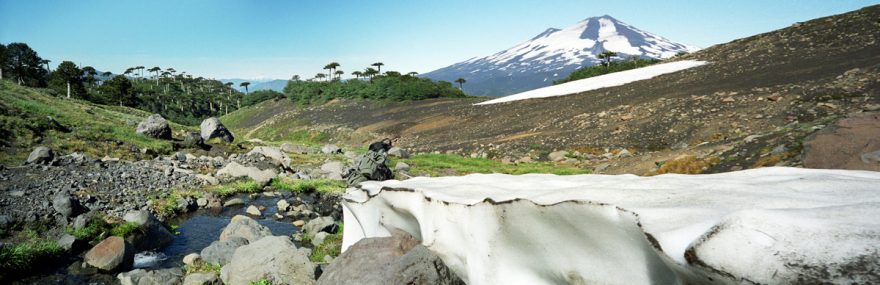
<point x="614" y="66"/>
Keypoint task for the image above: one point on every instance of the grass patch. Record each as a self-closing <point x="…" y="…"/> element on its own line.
<point x="261" y="282"/>
<point x="449" y="164"/>
<point x="243" y="186"/>
<point x="202" y="267"/>
<point x="311" y="185"/>
<point x="95" y="230"/>
<point x="124" y="229"/>
<point x="331" y="246"/>
<point x="22" y="256"/>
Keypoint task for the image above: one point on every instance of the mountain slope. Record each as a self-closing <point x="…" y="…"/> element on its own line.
<point x="555" y="53"/>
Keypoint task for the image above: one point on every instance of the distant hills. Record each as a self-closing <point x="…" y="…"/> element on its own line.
<point x="268" y="84"/>
<point x="553" y="54"/>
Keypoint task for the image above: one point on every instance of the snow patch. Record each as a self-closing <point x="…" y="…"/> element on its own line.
<point x="602" y="81"/>
<point x="773" y="225"/>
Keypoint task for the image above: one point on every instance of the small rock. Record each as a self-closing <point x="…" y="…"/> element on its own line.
<point x="221" y="251"/>
<point x="398" y="152"/>
<point x="318" y="239"/>
<point x="158" y="276"/>
<point x="40" y="155"/>
<point x="331" y="149"/>
<point x="283" y="205"/>
<point x="202" y="202"/>
<point x="322" y="224"/>
<point x="402" y="166"/>
<point x="233" y="202"/>
<point x="209" y="278"/>
<point x="557" y="156"/>
<point x="299" y="223"/>
<point x="245" y="227"/>
<point x="191" y="258"/>
<point x="253" y="210"/>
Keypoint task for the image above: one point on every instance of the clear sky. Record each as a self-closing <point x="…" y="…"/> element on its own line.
<point x="277" y="39"/>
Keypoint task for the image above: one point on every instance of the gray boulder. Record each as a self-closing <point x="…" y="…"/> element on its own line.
<point x="111" y="254"/>
<point x="322" y="224"/>
<point x="398" y="152"/>
<point x="71" y="244"/>
<point x="402" y="166"/>
<point x="333" y="169"/>
<point x="220" y="252"/>
<point x="557" y="156"/>
<point x="154" y="126"/>
<point x="168" y="276"/>
<point x="244" y="227"/>
<point x="295" y="148"/>
<point x="331" y="149"/>
<point x="399" y="259"/>
<point x="65" y="205"/>
<point x="275" y="258"/>
<point x="210" y="278"/>
<point x="41" y="155"/>
<point x="193" y="140"/>
<point x="273" y="153"/>
<point x="151" y="235"/>
<point x="233" y="169"/>
<point x="212" y="128"/>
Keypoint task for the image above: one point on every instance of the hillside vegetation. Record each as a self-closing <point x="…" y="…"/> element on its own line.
<point x="386" y="87"/>
<point x="610" y="67"/>
<point x="31" y="117"/>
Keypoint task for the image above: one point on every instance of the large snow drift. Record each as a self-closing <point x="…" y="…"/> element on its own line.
<point x="768" y="225"/>
<point x="601" y="81"/>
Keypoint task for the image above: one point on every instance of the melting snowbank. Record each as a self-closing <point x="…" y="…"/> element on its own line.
<point x="601" y="81"/>
<point x="768" y="225"/>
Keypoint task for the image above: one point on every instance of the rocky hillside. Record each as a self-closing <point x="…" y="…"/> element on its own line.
<point x="753" y="105"/>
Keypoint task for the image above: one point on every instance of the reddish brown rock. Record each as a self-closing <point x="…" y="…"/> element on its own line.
<point x="112" y="254"/>
<point x="850" y="143"/>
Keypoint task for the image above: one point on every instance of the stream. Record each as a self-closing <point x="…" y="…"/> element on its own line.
<point x="195" y="231"/>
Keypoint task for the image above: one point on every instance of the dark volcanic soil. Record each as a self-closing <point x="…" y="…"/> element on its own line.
<point x="762" y="85"/>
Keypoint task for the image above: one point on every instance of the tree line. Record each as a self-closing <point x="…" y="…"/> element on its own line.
<point x="370" y="83"/>
<point x="178" y="96"/>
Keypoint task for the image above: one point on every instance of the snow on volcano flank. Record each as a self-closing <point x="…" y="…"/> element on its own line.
<point x="555" y="53"/>
<point x="771" y="225"/>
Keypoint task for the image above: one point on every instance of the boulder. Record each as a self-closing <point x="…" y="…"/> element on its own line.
<point x="847" y="144"/>
<point x="41" y="155"/>
<point x="71" y="244"/>
<point x="151" y="235"/>
<point x="402" y="166"/>
<point x="319" y="238"/>
<point x="111" y="254"/>
<point x="245" y="227"/>
<point x="398" y="259"/>
<point x="557" y="156"/>
<point x="212" y="128"/>
<point x="191" y="258"/>
<point x="279" y="157"/>
<point x="65" y="205"/>
<point x="275" y="258"/>
<point x="233" y="169"/>
<point x="398" y="152"/>
<point x="168" y="276"/>
<point x="154" y="126"/>
<point x="295" y="148"/>
<point x="209" y="278"/>
<point x="193" y="140"/>
<point x="331" y="149"/>
<point x="220" y="252"/>
<point x="322" y="224"/>
<point x="333" y="169"/>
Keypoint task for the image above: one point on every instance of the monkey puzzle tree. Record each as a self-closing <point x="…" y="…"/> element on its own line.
<point x="378" y="65"/>
<point x="67" y="74"/>
<point x="24" y="65"/>
<point x="461" y="82"/>
<point x="606" y="57"/>
<point x="245" y="85"/>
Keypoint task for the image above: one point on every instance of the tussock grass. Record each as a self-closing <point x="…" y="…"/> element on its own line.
<point x="22" y="256"/>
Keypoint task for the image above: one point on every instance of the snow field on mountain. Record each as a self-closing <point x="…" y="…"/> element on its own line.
<point x="602" y="81"/>
<point x="773" y="225"/>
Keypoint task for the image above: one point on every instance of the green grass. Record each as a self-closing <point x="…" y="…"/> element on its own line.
<point x="311" y="185"/>
<point x="243" y="186"/>
<point x="331" y="246"/>
<point x="93" y="231"/>
<point x="85" y="127"/>
<point x="202" y="267"/>
<point x="615" y="66"/>
<point x="22" y="256"/>
<point x="261" y="282"/>
<point x="448" y="164"/>
<point x="124" y="229"/>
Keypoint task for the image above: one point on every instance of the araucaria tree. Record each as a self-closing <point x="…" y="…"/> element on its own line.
<point x="330" y="67"/>
<point x="460" y="82"/>
<point x="245" y="85"/>
<point x="24" y="65"/>
<point x="606" y="57"/>
<point x="378" y="66"/>
<point x="119" y="89"/>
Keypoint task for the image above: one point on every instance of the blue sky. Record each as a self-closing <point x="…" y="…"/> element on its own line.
<point x="277" y="39"/>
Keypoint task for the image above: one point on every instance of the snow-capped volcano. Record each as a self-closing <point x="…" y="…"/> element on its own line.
<point x="555" y="53"/>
